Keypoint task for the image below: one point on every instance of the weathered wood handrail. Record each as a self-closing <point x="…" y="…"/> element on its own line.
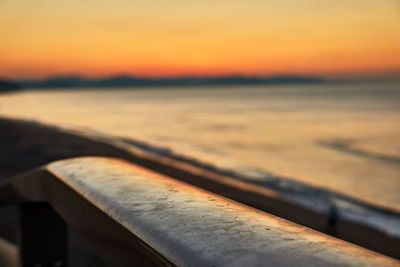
<point x="131" y="215"/>
<point x="26" y="145"/>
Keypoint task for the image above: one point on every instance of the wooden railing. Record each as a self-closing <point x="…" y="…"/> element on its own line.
<point x="133" y="216"/>
<point x="26" y="145"/>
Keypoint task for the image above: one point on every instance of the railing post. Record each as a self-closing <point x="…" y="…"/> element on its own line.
<point x="43" y="236"/>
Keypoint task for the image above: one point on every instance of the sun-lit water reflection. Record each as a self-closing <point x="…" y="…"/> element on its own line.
<point x="344" y="138"/>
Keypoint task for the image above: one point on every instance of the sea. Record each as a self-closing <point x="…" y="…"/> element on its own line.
<point x="343" y="138"/>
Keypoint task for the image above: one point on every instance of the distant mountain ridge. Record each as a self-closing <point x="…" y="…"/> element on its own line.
<point x="8" y="86"/>
<point x="129" y="81"/>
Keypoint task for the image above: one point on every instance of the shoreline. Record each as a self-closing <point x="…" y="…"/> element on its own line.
<point x="324" y="211"/>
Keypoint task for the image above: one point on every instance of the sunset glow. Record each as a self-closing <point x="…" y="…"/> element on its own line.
<point x="171" y="38"/>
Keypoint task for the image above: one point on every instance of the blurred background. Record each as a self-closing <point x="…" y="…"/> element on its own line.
<point x="304" y="90"/>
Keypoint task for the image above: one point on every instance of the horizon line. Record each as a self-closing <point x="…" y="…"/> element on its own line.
<point x="357" y="76"/>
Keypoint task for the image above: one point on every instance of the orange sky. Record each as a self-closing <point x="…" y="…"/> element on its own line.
<point x="162" y="38"/>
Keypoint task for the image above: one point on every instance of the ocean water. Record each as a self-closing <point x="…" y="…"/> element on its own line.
<point x="344" y="137"/>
